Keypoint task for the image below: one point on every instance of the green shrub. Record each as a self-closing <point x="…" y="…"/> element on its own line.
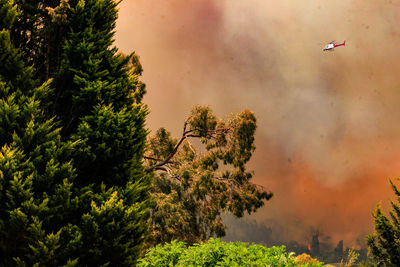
<point x="164" y="255"/>
<point x="218" y="253"/>
<point x="307" y="260"/>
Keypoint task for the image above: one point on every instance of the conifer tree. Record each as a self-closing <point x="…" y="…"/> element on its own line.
<point x="384" y="244"/>
<point x="97" y="99"/>
<point x="77" y="194"/>
<point x="35" y="173"/>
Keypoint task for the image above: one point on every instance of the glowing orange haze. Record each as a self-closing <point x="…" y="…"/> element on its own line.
<point x="329" y="131"/>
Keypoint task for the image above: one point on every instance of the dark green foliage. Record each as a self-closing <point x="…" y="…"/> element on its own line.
<point x="73" y="190"/>
<point x="39" y="34"/>
<point x="384" y="244"/>
<point x="217" y="253"/>
<point x="96" y="99"/>
<point x="91" y="72"/>
<point x="35" y="171"/>
<point x="112" y="147"/>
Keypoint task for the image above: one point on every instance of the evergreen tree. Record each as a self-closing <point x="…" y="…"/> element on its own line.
<point x="81" y="192"/>
<point x="97" y="99"/>
<point x="384" y="244"/>
<point x="35" y="173"/>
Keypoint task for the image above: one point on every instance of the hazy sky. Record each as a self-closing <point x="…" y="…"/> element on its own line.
<point x="328" y="133"/>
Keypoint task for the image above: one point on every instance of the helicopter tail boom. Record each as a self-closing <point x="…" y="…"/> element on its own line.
<point x="343" y="44"/>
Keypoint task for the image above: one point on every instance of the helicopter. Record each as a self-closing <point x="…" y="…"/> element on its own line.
<point x="331" y="45"/>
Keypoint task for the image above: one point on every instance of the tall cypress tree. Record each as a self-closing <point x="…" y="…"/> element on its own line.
<point x="76" y="194"/>
<point x="35" y="173"/>
<point x="98" y="94"/>
<point x="97" y="99"/>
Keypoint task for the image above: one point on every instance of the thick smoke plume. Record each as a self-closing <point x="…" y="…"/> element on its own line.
<point x="329" y="131"/>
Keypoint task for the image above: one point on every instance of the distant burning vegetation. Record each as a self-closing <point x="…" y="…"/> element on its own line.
<point x="317" y="245"/>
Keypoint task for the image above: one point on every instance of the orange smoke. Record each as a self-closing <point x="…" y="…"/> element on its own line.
<point x="342" y="210"/>
<point x="329" y="131"/>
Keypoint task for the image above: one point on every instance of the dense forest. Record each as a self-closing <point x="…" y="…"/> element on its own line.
<point x="82" y="180"/>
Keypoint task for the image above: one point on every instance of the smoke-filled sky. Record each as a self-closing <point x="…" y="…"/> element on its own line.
<point x="328" y="122"/>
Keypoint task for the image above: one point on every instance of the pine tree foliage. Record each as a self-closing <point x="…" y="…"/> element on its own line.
<point x="384" y="244"/>
<point x="72" y="184"/>
<point x="193" y="187"/>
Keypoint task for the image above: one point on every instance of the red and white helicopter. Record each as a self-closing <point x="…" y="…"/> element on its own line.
<point x="332" y="45"/>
